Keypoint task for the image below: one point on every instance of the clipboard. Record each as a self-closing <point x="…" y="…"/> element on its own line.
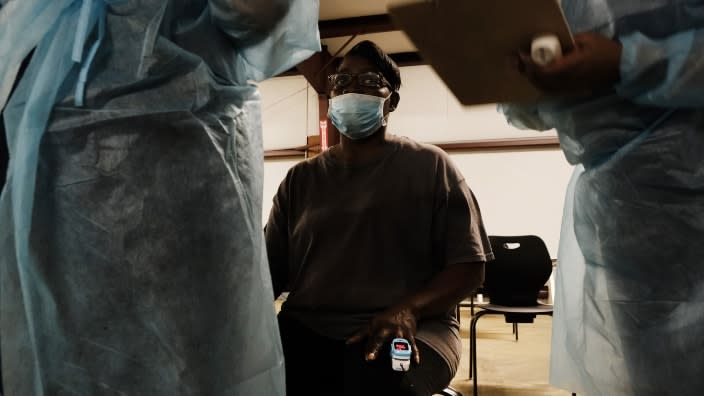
<point x="469" y="43"/>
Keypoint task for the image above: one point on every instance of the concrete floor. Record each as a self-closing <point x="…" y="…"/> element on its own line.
<point x="507" y="367"/>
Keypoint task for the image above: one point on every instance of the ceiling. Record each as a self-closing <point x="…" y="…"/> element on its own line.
<point x="342" y="24"/>
<point x="341" y="19"/>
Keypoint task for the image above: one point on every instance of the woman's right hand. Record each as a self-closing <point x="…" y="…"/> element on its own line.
<point x="395" y="322"/>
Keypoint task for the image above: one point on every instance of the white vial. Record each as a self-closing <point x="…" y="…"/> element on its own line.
<point x="545" y="48"/>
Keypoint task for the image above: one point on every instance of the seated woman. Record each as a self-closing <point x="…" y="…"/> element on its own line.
<point x="376" y="238"/>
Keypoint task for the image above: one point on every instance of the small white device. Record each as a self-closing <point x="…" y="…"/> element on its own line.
<point x="400" y="354"/>
<point x="545" y="48"/>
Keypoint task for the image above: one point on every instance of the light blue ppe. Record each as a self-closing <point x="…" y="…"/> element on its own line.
<point x="357" y="116"/>
<point x="629" y="304"/>
<point x="131" y="258"/>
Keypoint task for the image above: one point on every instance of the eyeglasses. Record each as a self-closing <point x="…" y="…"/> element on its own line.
<point x="368" y="79"/>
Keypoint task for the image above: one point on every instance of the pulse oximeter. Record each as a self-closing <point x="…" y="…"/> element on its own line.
<point x="400" y="354"/>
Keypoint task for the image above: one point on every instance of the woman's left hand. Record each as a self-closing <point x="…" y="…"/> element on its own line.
<point x="395" y="322"/>
<point x="593" y="64"/>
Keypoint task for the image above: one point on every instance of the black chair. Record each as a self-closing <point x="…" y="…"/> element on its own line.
<point x="512" y="281"/>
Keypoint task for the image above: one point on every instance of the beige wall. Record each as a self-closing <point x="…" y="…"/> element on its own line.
<point x="520" y="192"/>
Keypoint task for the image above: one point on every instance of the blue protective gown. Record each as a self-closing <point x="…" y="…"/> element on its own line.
<point x="131" y="257"/>
<point x="629" y="308"/>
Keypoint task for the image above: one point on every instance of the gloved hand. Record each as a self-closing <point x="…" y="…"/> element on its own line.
<point x="593" y="64"/>
<point x="398" y="321"/>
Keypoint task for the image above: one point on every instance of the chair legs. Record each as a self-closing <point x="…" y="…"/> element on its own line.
<point x="471" y="306"/>
<point x="473" y="349"/>
<point x="471" y="311"/>
<point x="473" y="345"/>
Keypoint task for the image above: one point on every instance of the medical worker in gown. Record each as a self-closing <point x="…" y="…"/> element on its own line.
<point x="131" y="257"/>
<point x="629" y="111"/>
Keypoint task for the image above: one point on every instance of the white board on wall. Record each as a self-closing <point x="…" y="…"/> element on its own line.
<point x="285" y="112"/>
<point x="274" y="173"/>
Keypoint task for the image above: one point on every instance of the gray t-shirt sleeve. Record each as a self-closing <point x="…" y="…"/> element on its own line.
<point x="461" y="228"/>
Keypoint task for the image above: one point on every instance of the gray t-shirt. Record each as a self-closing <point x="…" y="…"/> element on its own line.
<point x="350" y="241"/>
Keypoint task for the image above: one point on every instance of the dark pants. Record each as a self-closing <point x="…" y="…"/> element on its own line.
<point x="317" y="365"/>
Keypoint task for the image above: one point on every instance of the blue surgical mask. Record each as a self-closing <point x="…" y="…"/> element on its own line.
<point x="357" y="115"/>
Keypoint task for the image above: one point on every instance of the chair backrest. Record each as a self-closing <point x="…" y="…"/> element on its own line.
<point x="521" y="268"/>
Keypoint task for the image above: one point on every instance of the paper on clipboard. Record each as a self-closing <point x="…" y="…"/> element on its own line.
<point x="468" y="42"/>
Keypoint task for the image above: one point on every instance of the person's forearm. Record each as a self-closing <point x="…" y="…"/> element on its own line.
<point x="446" y="289"/>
